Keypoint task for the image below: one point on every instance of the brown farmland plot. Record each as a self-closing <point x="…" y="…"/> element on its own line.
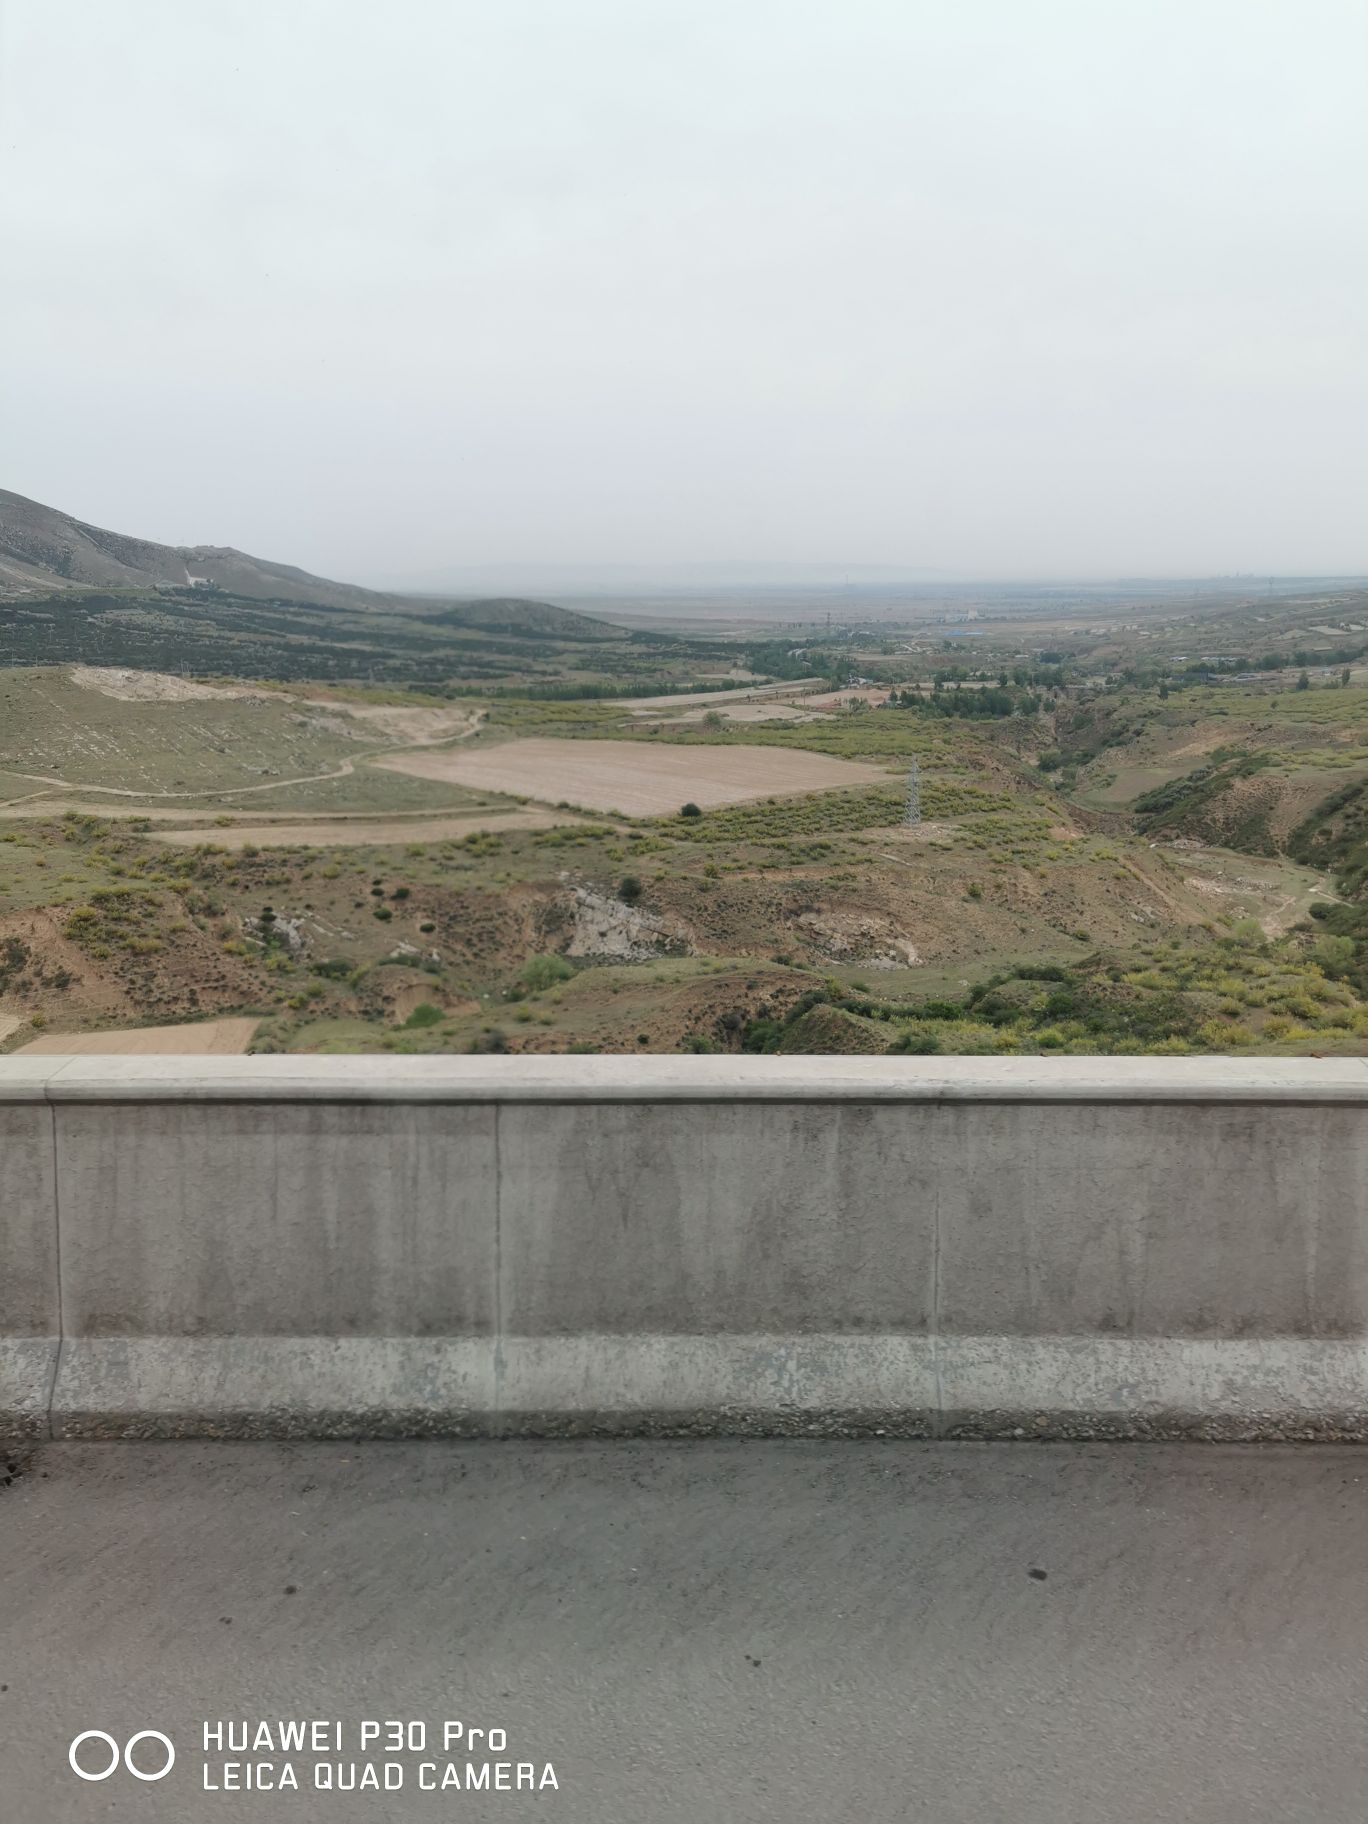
<point x="199" y="1038"/>
<point x="633" y="778"/>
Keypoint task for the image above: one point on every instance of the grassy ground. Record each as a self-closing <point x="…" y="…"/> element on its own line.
<point x="341" y="948"/>
<point x="367" y="791"/>
<point x="1017" y="917"/>
<point x="53" y="727"/>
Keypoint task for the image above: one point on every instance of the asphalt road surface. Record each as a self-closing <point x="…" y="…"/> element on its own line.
<point x="730" y="1631"/>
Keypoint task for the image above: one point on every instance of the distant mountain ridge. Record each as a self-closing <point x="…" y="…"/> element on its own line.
<point x="44" y="551"/>
<point x="660" y="578"/>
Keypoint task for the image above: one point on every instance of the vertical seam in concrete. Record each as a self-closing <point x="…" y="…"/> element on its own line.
<point x="937" y="1424"/>
<point x="496" y="1390"/>
<point x="57" y="1249"/>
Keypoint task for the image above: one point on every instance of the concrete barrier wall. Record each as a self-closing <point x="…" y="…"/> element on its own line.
<point x="1076" y="1247"/>
<point x="30" y="1321"/>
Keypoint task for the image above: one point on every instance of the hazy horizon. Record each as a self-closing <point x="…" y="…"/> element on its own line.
<point x="1021" y="291"/>
<point x="610" y="580"/>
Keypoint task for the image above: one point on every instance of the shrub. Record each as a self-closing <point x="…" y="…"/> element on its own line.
<point x="1334" y="954"/>
<point x="425" y="1014"/>
<point x="919" y="1043"/>
<point x="382" y="912"/>
<point x="629" y="889"/>
<point x="541" y="972"/>
<point x="690" y="810"/>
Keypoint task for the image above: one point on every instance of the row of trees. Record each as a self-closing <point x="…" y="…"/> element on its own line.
<point x="983" y="703"/>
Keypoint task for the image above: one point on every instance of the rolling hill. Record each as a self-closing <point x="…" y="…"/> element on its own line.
<point x="44" y="551"/>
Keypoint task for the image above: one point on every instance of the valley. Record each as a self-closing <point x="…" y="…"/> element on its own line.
<point x="1140" y="831"/>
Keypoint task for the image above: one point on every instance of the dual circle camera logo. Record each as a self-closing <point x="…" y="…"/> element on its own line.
<point x="84" y="1761"/>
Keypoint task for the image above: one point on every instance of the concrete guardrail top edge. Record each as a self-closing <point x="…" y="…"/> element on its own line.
<point x="613" y="1078"/>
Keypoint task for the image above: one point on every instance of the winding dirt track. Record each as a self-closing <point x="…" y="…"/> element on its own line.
<point x="423" y="727"/>
<point x="372" y="831"/>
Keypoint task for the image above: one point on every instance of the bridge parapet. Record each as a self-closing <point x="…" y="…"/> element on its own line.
<point x="551" y="1246"/>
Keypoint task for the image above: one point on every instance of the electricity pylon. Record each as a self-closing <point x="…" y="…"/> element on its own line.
<point x="913" y="793"/>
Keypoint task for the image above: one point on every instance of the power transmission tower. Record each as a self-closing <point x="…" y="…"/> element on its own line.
<point x="913" y="792"/>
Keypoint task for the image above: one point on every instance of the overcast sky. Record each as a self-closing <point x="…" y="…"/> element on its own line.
<point x="997" y="287"/>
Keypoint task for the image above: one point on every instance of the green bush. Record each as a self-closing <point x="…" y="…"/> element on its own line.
<point x="1334" y="954"/>
<point x="541" y="972"/>
<point x="425" y="1014"/>
<point x="919" y="1043"/>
